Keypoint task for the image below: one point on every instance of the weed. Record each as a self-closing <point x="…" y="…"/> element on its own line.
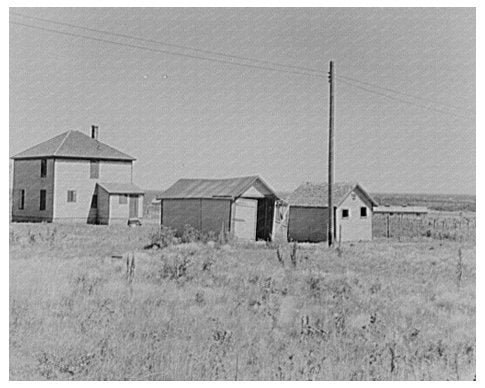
<point x="459" y="268"/>
<point x="293" y="254"/>
<point x="161" y="238"/>
<point x="279" y="255"/>
<point x="371" y="317"/>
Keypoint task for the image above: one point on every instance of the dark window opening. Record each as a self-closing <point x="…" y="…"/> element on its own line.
<point x="43" y="168"/>
<point x="94" y="169"/>
<point x="21" y="199"/>
<point x="123" y="199"/>
<point x="43" y="194"/>
<point x="94" y="201"/>
<point x="71" y="196"/>
<point x="345" y="213"/>
<point x="363" y="212"/>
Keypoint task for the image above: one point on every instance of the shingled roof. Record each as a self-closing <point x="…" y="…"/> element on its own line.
<point x="74" y="145"/>
<point x="316" y="194"/>
<point x="213" y="188"/>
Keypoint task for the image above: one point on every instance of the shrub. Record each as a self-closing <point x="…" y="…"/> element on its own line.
<point x="191" y="234"/>
<point x="162" y="237"/>
<point x="175" y="266"/>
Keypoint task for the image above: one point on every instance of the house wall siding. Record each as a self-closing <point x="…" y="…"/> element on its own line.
<point x="355" y="228"/>
<point x="26" y="176"/>
<point x="75" y="175"/>
<point x="308" y="224"/>
<point x="215" y="214"/>
<point x="203" y="214"/>
<point x="120" y="213"/>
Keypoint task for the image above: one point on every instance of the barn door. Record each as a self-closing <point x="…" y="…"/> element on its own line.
<point x="245" y="215"/>
<point x="133" y="206"/>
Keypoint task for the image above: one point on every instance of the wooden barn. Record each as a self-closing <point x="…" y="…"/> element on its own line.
<point x="246" y="207"/>
<point x="308" y="218"/>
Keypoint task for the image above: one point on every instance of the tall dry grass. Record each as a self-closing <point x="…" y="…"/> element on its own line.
<point x="198" y="311"/>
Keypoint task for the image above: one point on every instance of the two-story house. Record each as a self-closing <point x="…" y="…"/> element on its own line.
<point x="74" y="177"/>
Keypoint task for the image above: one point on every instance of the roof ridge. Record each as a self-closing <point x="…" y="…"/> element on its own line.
<point x="62" y="142"/>
<point x="220" y="179"/>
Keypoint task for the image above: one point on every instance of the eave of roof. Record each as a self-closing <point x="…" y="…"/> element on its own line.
<point x="73" y="145"/>
<point x="120" y="188"/>
<point x="229" y="188"/>
<point x="316" y="195"/>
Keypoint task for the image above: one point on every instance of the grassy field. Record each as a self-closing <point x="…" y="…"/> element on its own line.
<point x="383" y="310"/>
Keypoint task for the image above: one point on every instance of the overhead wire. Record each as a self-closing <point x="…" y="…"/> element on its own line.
<point x="316" y="73"/>
<point x="405" y="101"/>
<point x="342" y="77"/>
<point x="164" y="51"/>
<point x="169" y="44"/>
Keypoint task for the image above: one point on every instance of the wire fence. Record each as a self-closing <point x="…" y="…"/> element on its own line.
<point x="441" y="226"/>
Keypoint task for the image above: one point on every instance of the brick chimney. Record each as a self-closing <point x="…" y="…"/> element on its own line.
<point x="94" y="132"/>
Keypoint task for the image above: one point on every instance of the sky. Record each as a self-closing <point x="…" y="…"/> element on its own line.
<point x="185" y="117"/>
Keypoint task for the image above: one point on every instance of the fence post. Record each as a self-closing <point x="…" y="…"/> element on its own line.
<point x="388" y="226"/>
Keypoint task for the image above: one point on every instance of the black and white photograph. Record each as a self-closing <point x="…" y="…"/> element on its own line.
<point x="242" y="193"/>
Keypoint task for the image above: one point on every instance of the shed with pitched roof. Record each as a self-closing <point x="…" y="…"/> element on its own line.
<point x="246" y="207"/>
<point x="308" y="218"/>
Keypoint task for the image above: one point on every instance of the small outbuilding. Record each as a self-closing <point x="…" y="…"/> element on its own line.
<point x="401" y="210"/>
<point x="246" y="207"/>
<point x="118" y="202"/>
<point x="308" y="218"/>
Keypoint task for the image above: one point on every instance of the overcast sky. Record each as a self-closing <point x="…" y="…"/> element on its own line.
<point x="186" y="117"/>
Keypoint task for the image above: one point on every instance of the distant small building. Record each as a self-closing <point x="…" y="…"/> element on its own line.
<point x="74" y="178"/>
<point x="404" y="210"/>
<point x="308" y="219"/>
<point x="245" y="207"/>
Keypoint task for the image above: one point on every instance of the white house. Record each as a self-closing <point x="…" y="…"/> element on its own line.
<point x="75" y="178"/>
<point x="308" y="219"/>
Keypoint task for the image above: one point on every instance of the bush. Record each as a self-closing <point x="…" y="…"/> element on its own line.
<point x="175" y="266"/>
<point x="162" y="238"/>
<point x="191" y="235"/>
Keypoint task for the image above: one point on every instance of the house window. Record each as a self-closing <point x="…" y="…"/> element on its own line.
<point x="21" y="199"/>
<point x="123" y="199"/>
<point x="363" y="212"/>
<point x="94" y="169"/>
<point x="42" y="199"/>
<point x="345" y="213"/>
<point x="94" y="201"/>
<point x="43" y="168"/>
<point x="71" y="196"/>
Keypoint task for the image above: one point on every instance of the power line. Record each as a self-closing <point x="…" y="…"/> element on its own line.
<point x="165" y="51"/>
<point x="395" y="91"/>
<point x="404" y="101"/>
<point x="317" y="74"/>
<point x="164" y="43"/>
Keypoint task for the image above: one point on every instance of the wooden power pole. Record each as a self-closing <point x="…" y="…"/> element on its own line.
<point x="330" y="158"/>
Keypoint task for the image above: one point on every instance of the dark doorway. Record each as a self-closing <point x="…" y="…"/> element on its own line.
<point x="264" y="223"/>
<point x="133" y="206"/>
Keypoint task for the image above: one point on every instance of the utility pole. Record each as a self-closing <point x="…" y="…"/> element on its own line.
<point x="330" y="158"/>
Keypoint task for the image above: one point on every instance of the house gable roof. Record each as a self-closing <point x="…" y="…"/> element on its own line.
<point x="74" y="145"/>
<point x="230" y="188"/>
<point x="120" y="188"/>
<point x="316" y="194"/>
